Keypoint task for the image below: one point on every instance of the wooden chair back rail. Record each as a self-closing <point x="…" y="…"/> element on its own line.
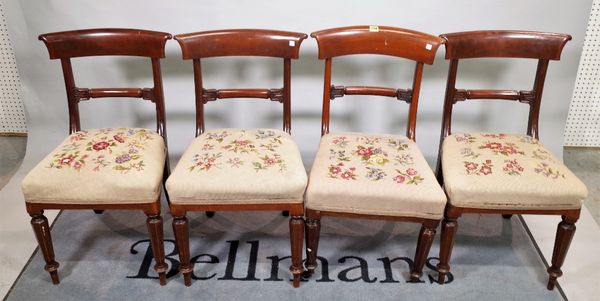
<point x="401" y="94"/>
<point x="505" y="43"/>
<point x="214" y="94"/>
<point x="106" y="41"/>
<point x="383" y="40"/>
<point x="240" y="42"/>
<point x="410" y="96"/>
<point x="88" y="93"/>
<point x="520" y="96"/>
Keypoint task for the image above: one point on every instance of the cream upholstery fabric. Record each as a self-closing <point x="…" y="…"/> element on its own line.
<point x="507" y="171"/>
<point x="373" y="174"/>
<point x="239" y="166"/>
<point x="104" y="166"/>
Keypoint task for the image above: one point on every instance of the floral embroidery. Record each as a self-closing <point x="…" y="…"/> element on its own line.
<point x="469" y="153"/>
<point x="498" y="136"/>
<point x="545" y="169"/>
<point x="398" y="145"/>
<point x="217" y="137"/>
<point x="473" y="168"/>
<point x="375" y="174"/>
<point x="340" y="141"/>
<point x="404" y="159"/>
<point x="468" y="138"/>
<point x="205" y="161"/>
<point x="340" y="172"/>
<point x="410" y="174"/>
<point x="339" y="155"/>
<point x="101" y="143"/>
<point x="372" y="156"/>
<point x="542" y="155"/>
<point x="512" y="167"/>
<point x="243" y="146"/>
<point x="269" y="161"/>
<point x="506" y="149"/>
<point x="235" y="162"/>
<point x="368" y="140"/>
<point x="260" y="147"/>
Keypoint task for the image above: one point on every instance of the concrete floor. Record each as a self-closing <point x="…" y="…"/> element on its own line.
<point x="585" y="163"/>
<point x="12" y="151"/>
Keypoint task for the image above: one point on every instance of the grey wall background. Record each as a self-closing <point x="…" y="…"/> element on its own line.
<point x="46" y="102"/>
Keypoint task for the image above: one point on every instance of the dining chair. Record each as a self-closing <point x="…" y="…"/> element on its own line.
<point x="501" y="173"/>
<point x="105" y="168"/>
<point x="241" y="169"/>
<point x="373" y="176"/>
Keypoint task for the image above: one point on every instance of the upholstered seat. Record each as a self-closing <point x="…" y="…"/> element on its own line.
<point x="507" y="171"/>
<point x="373" y="174"/>
<point x="100" y="166"/>
<point x="239" y="166"/>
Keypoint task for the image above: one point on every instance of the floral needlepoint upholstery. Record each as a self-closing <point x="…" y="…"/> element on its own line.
<point x="507" y="171"/>
<point x="373" y="174"/>
<point x="129" y="160"/>
<point x="239" y="166"/>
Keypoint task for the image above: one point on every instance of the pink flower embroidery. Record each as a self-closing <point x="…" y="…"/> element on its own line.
<point x="119" y="138"/>
<point x="100" y="145"/>
<point x="399" y="179"/>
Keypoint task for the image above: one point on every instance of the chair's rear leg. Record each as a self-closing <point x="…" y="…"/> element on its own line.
<point x="296" y="241"/>
<point x="98" y="211"/>
<point x="155" y="230"/>
<point x="210" y="213"/>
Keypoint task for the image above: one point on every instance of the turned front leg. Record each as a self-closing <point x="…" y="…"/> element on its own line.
<point x="182" y="238"/>
<point x="296" y="241"/>
<point x="155" y="230"/>
<point x="42" y="233"/>
<point x="564" y="235"/>
<point x="424" y="242"/>
<point x="449" y="227"/>
<point x="313" y="230"/>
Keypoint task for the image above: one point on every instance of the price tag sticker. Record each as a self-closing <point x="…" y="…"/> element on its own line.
<point x="428" y="46"/>
<point x="374" y="28"/>
<point x="292" y="43"/>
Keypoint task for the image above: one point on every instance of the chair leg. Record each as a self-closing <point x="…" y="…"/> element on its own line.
<point x="155" y="230"/>
<point x="285" y="213"/>
<point x="97" y="211"/>
<point x="564" y="235"/>
<point x="210" y="213"/>
<point x="182" y="238"/>
<point x="42" y="233"/>
<point x="507" y="216"/>
<point x="449" y="227"/>
<point x="296" y="241"/>
<point x="424" y="242"/>
<point x="313" y="230"/>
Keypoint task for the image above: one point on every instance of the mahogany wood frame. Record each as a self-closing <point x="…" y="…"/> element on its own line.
<point x="240" y="42"/>
<point x="502" y="44"/>
<point x="106" y="42"/>
<point x="381" y="40"/>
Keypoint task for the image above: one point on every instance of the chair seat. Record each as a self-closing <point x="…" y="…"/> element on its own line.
<point x="507" y="171"/>
<point x="373" y="174"/>
<point x="100" y="166"/>
<point x="239" y="166"/>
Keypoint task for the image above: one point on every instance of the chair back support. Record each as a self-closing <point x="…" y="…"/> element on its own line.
<point x="501" y="44"/>
<point x="412" y="45"/>
<point x="241" y="42"/>
<point x="109" y="42"/>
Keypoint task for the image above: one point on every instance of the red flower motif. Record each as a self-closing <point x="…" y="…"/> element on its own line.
<point x="67" y="160"/>
<point x="335" y="170"/>
<point x="485" y="170"/>
<point x="119" y="138"/>
<point x="346" y="175"/>
<point x="411" y="172"/>
<point x="270" y="161"/>
<point x="100" y="145"/>
<point x="471" y="165"/>
<point x="493" y="145"/>
<point x="399" y="179"/>
<point x="365" y="152"/>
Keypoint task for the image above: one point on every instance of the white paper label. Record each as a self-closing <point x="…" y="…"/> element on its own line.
<point x="292" y="43"/>
<point x="428" y="46"/>
<point x="374" y="28"/>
